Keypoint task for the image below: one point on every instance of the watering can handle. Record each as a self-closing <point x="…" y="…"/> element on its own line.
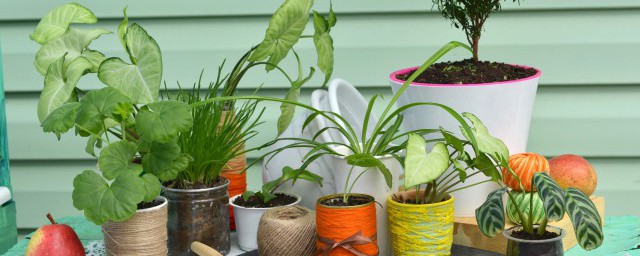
<point x="203" y="250"/>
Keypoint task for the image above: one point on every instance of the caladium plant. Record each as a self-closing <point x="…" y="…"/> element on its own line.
<point x="138" y="132"/>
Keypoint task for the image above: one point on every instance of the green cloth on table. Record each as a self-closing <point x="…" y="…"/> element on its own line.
<point x="622" y="236"/>
<point x="8" y="226"/>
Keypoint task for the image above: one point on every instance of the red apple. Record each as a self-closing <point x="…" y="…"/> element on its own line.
<point x="55" y="240"/>
<point x="572" y="171"/>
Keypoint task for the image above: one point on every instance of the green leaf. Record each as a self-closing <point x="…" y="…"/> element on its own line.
<point x="324" y="45"/>
<point x="420" y="167"/>
<point x="284" y="31"/>
<point x="490" y="215"/>
<point x="267" y="187"/>
<point x="71" y="43"/>
<point x="163" y="120"/>
<point x="122" y="28"/>
<point x="551" y="194"/>
<point x="585" y="219"/>
<point x="484" y="163"/>
<point x="287" y="110"/>
<point x="60" y="84"/>
<point x="180" y="164"/>
<point x="160" y="157"/>
<point x="309" y="176"/>
<point x="102" y="201"/>
<point x="332" y="16"/>
<point x="265" y="196"/>
<point x="62" y="119"/>
<point x="141" y="79"/>
<point x="247" y="194"/>
<point x="92" y="143"/>
<point x="368" y="161"/>
<point x="451" y="140"/>
<point x="117" y="158"/>
<point x="57" y="21"/>
<point x="486" y="142"/>
<point x="151" y="187"/>
<point x="462" y="173"/>
<point x="95" y="57"/>
<point x="96" y="109"/>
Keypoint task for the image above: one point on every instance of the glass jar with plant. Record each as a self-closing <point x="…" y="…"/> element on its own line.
<point x="540" y="239"/>
<point x="198" y="198"/>
<point x="500" y="94"/>
<point x="137" y="132"/>
<point x="250" y="206"/>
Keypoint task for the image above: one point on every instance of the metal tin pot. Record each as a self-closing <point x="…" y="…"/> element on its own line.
<point x="198" y="215"/>
<point x="547" y="247"/>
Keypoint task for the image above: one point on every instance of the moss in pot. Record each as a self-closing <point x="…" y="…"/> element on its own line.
<point x="250" y="206"/>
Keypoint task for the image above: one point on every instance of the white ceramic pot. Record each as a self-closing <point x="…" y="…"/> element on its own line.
<point x="371" y="183"/>
<point x="504" y="107"/>
<point x="247" y="221"/>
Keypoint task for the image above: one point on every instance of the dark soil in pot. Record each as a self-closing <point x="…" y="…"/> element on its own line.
<point x="154" y="203"/>
<point x="352" y="200"/>
<point x="255" y="202"/>
<point x="526" y="236"/>
<point x="520" y="243"/>
<point x="198" y="214"/>
<point x="470" y="72"/>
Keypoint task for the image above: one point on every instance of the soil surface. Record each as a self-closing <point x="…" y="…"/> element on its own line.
<point x="353" y="200"/>
<point x="145" y="205"/>
<point x="469" y="72"/>
<point x="521" y="234"/>
<point x="255" y="202"/>
<point x="200" y="185"/>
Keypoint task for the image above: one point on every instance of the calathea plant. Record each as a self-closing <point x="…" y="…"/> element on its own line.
<point x="556" y="201"/>
<point x="138" y="132"/>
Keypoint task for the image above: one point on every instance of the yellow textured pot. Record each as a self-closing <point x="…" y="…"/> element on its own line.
<point x="420" y="229"/>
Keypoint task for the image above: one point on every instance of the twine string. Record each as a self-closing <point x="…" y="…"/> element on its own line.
<point x="347" y="244"/>
<point x="144" y="234"/>
<point x="337" y="226"/>
<point x="288" y="230"/>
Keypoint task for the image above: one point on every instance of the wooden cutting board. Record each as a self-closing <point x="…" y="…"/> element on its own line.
<point x="467" y="233"/>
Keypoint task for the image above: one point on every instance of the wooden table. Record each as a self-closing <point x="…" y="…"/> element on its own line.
<point x="622" y="238"/>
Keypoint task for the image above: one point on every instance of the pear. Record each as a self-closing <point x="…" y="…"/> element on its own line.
<point x="54" y="240"/>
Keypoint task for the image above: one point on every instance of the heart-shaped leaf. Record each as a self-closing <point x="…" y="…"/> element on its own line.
<point x="160" y="156"/>
<point x="95" y="57"/>
<point x="62" y="119"/>
<point x="122" y="28"/>
<point x="324" y="43"/>
<point x="117" y="158"/>
<point x="96" y="109"/>
<point x="490" y="215"/>
<point x="72" y="43"/>
<point x="486" y="142"/>
<point x="420" y="167"/>
<point x="585" y="219"/>
<point x="287" y="110"/>
<point x="284" y="31"/>
<point x="60" y="84"/>
<point x="141" y="79"/>
<point x="163" y="120"/>
<point x="151" y="187"/>
<point x="102" y="202"/>
<point x="57" y="21"/>
<point x="551" y="194"/>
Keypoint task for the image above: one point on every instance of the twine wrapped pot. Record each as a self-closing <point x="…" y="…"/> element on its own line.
<point x="346" y="230"/>
<point x="288" y="230"/>
<point x="420" y="229"/>
<point x="145" y="234"/>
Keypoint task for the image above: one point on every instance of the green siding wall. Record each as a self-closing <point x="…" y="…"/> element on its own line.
<point x="587" y="103"/>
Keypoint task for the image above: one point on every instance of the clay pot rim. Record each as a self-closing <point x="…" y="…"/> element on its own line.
<point x="373" y="200"/>
<point x="197" y="190"/>
<point x="561" y="234"/>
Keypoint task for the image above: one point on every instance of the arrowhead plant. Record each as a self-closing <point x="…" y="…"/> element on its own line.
<point x="137" y="132"/>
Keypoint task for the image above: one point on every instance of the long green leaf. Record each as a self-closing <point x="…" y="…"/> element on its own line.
<point x="551" y="194"/>
<point x="585" y="219"/>
<point x="324" y="43"/>
<point x="490" y="215"/>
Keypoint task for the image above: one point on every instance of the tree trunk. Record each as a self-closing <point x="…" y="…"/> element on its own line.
<point x="475" y="48"/>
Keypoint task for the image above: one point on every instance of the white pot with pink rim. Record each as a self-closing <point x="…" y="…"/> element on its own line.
<point x="504" y="107"/>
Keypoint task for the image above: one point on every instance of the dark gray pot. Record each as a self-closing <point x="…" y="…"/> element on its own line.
<point x="521" y="247"/>
<point x="198" y="215"/>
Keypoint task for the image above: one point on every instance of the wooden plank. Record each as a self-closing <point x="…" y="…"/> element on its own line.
<point x="467" y="233"/>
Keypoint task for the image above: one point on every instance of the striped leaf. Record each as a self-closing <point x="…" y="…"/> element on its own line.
<point x="551" y="194"/>
<point x="490" y="215"/>
<point x="522" y="201"/>
<point x="585" y="219"/>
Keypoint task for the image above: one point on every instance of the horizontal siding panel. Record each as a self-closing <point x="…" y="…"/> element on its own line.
<point x="569" y="119"/>
<point x="577" y="49"/>
<point x="45" y="186"/>
<point x="33" y="10"/>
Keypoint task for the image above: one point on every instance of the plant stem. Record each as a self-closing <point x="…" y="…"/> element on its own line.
<point x="346" y="185"/>
<point x="543" y="226"/>
<point x="527" y="228"/>
<point x="51" y="218"/>
<point x="476" y="39"/>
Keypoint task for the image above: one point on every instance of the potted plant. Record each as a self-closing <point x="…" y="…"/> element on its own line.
<point x="539" y="239"/>
<point x="502" y="95"/>
<point x="137" y="133"/>
<point x="198" y="198"/>
<point x="250" y="206"/>
<point x="421" y="217"/>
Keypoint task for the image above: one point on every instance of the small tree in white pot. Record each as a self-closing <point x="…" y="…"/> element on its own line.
<point x="501" y="95"/>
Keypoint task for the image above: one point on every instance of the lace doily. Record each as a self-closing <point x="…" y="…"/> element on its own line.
<point x="95" y="248"/>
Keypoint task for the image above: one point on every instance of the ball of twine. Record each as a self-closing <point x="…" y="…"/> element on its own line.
<point x="288" y="230"/>
<point x="144" y="234"/>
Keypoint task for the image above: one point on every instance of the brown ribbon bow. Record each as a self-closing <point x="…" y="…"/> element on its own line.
<point x="347" y="244"/>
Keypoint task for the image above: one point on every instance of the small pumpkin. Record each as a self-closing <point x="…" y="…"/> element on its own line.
<point x="524" y="165"/>
<point x="522" y="202"/>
